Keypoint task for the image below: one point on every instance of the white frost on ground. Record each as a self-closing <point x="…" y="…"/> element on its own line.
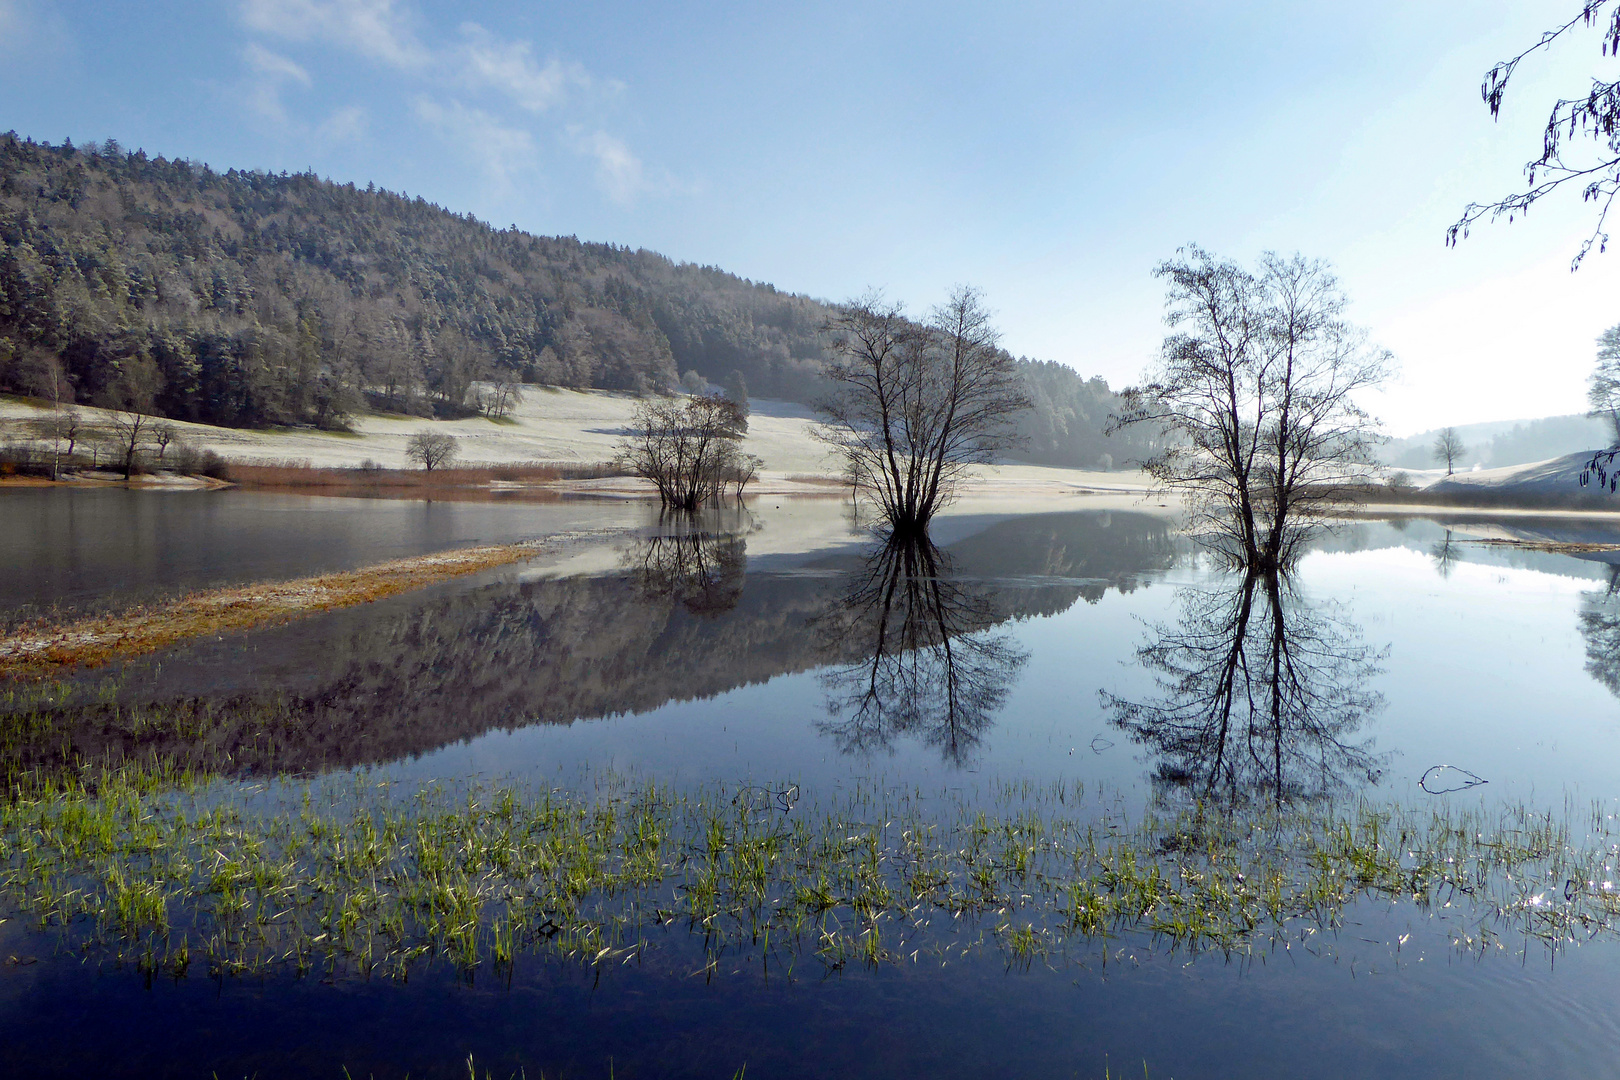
<point x="556" y="425"/>
<point x="1555" y="476"/>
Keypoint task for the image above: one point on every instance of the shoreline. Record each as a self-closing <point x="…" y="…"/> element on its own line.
<point x="29" y="654"/>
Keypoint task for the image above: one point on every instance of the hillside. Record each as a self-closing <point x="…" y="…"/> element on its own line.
<point x="1554" y="478"/>
<point x="1504" y="443"/>
<point x="247" y="299"/>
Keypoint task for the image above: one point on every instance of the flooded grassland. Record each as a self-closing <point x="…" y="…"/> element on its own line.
<point x="1056" y="796"/>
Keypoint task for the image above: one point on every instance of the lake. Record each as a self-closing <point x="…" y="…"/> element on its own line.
<point x="1071" y="669"/>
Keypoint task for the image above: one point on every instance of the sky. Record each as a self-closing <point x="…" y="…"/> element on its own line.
<point x="1051" y="154"/>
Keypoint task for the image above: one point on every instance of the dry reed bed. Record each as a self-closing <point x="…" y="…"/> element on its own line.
<point x="269" y="473"/>
<point x="346" y="877"/>
<point x="37" y="652"/>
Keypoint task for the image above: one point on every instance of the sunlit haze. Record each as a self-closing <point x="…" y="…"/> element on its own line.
<point x="1049" y="153"/>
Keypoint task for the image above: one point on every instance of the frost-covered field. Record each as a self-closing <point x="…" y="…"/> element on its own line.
<point x="552" y="425"/>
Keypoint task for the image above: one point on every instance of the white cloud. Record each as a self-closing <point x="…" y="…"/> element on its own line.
<point x="373" y="28"/>
<point x="503" y="153"/>
<point x="274" y="66"/>
<point x="510" y="67"/>
<point x="261" y="89"/>
<point x="503" y="73"/>
<point x="344" y="125"/>
<point x="269" y="74"/>
<point x="11" y="25"/>
<point x="31" y="36"/>
<point x="619" y="172"/>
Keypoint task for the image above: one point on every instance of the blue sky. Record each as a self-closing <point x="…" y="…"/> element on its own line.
<point x="1049" y="153"/>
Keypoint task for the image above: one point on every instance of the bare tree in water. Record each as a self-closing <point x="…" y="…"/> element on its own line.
<point x="689" y="449"/>
<point x="1257" y="388"/>
<point x="914" y="405"/>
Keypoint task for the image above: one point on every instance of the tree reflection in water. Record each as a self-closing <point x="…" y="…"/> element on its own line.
<point x="1446" y="555"/>
<point x="691" y="560"/>
<point x="931" y="665"/>
<point x="1261" y="694"/>
<point x="1600" y="628"/>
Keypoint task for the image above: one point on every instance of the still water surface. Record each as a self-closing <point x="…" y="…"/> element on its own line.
<point x="1084" y="646"/>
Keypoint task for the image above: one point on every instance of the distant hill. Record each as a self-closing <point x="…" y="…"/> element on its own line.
<point x="1504" y="443"/>
<point x="250" y="299"/>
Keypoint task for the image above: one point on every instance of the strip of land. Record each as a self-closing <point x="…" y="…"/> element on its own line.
<point x="553" y="441"/>
<point x="42" y="651"/>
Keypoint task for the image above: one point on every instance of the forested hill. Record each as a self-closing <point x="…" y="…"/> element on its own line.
<point x="250" y="299"/>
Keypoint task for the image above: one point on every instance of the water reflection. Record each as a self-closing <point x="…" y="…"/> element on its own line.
<point x="930" y="667"/>
<point x="1261" y="694"/>
<point x="692" y="562"/>
<point x="1600" y="629"/>
<point x="1446" y="554"/>
<point x="908" y="637"/>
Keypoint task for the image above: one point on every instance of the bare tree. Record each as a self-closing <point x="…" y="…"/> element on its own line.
<point x="455" y="362"/>
<point x="1448" y="448"/>
<point x="431" y="449"/>
<point x="43" y="375"/>
<point x="499" y="398"/>
<point x="130" y="434"/>
<point x="744" y="471"/>
<point x="69" y="425"/>
<point x="1257" y="388"/>
<point x="1595" y="116"/>
<point x="1603" y="385"/>
<point x="914" y="405"/>
<point x="686" y="447"/>
<point x="163" y="433"/>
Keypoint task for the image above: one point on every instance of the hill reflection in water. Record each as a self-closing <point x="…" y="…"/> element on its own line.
<point x="680" y="618"/>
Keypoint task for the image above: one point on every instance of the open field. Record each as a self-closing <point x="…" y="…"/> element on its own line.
<point x="553" y="429"/>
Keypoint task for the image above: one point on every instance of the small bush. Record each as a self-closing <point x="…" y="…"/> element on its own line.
<point x="193" y="461"/>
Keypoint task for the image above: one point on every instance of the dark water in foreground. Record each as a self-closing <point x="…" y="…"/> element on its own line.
<point x="1085" y="646"/>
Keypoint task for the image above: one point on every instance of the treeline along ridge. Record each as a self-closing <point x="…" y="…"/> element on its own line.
<point x="252" y="299"/>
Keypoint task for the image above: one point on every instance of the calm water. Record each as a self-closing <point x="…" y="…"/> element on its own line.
<point x="1084" y="646"/>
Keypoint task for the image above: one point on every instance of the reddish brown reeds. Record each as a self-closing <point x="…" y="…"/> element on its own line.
<point x="300" y="474"/>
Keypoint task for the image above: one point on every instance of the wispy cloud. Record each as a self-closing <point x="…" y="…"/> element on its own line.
<point x="267" y="73"/>
<point x="273" y="65"/>
<point x="619" y="172"/>
<point x="504" y="74"/>
<point x="11" y="25"/>
<point x="503" y="153"/>
<point x="510" y="67"/>
<point x="345" y="125"/>
<point x="377" y="29"/>
<point x="30" y="35"/>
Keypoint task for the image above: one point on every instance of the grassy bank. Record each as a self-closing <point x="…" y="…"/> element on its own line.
<point x="170" y="872"/>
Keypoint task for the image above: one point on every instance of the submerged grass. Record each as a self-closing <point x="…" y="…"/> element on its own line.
<point x="175" y="872"/>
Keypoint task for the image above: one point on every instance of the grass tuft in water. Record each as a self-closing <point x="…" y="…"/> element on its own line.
<point x="174" y="872"/>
